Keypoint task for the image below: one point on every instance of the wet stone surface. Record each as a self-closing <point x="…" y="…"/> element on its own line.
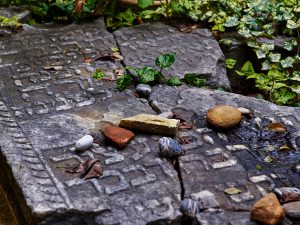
<point x="216" y="160"/>
<point x="196" y="52"/>
<point x="43" y="112"/>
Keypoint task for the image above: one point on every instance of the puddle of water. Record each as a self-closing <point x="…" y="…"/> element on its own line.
<point x="7" y="216"/>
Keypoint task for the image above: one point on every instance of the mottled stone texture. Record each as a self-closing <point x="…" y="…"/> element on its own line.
<point x="43" y="112"/>
<point x="196" y="52"/>
<point x="230" y="157"/>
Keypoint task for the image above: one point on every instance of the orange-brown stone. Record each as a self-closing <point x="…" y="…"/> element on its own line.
<point x="267" y="210"/>
<point x="223" y="116"/>
<point x="118" y="136"/>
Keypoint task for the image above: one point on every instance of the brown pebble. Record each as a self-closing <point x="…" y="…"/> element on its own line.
<point x="223" y="116"/>
<point x="118" y="136"/>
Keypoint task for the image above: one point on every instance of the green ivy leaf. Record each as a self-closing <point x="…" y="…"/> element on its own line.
<point x="287" y="62"/>
<point x="98" y="74"/>
<point x="226" y="41"/>
<point x="266" y="65"/>
<point x="283" y="96"/>
<point x="148" y="75"/>
<point x="194" y="80"/>
<point x="289" y="45"/>
<point x="124" y="81"/>
<point x="246" y="70"/>
<point x="259" y="167"/>
<point x="230" y="63"/>
<point x="274" y="57"/>
<point x="296" y="76"/>
<point x="174" y="81"/>
<point x="260" y="54"/>
<point x="165" y="60"/>
<point x="291" y="24"/>
<point x="296" y="89"/>
<point x="231" y="21"/>
<point x="145" y="3"/>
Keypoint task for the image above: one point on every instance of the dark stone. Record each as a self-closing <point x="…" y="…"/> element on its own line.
<point x="287" y="194"/>
<point x="143" y="90"/>
<point x="196" y="52"/>
<point x="170" y="148"/>
<point x="189" y="207"/>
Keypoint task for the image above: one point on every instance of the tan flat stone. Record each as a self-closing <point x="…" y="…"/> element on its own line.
<point x="151" y="124"/>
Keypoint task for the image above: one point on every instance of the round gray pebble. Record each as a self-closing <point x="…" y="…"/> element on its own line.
<point x="143" y="89"/>
<point x="170" y="148"/>
<point x="189" y="207"/>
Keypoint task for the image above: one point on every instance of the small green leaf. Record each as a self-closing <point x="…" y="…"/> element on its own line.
<point x="148" y="75"/>
<point x="194" y="80"/>
<point x="98" y="74"/>
<point x="259" y="167"/>
<point x="165" y="60"/>
<point x="289" y="45"/>
<point x="274" y="57"/>
<point x="287" y="62"/>
<point x="260" y="54"/>
<point x="291" y="24"/>
<point x="174" y="81"/>
<point x="266" y="65"/>
<point x="230" y="63"/>
<point x="231" y="21"/>
<point x="247" y="69"/>
<point x="283" y="96"/>
<point x="124" y="81"/>
<point x="296" y="76"/>
<point x="145" y="3"/>
<point x="226" y="41"/>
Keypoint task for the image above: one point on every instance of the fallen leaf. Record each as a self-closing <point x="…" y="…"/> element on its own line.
<point x="114" y="49"/>
<point x="277" y="127"/>
<point x="91" y="168"/>
<point x="110" y="57"/>
<point x="284" y="148"/>
<point x="53" y="67"/>
<point x="187" y="28"/>
<point x="185" y="125"/>
<point x="233" y="191"/>
<point x="185" y="140"/>
<point x="88" y="60"/>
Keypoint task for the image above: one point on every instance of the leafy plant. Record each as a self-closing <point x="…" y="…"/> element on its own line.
<point x="98" y="74"/>
<point x="124" y="81"/>
<point x="10" y="23"/>
<point x="194" y="80"/>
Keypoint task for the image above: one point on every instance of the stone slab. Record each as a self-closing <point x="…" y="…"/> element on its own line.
<point x="196" y="52"/>
<point x="44" y="112"/>
<point x="229" y="158"/>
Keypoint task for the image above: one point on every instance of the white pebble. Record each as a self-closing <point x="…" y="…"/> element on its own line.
<point x="208" y="139"/>
<point x="84" y="143"/>
<point x="244" y="110"/>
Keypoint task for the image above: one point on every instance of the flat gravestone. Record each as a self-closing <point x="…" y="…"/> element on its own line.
<point x="247" y="157"/>
<point x="48" y="101"/>
<point x="196" y="52"/>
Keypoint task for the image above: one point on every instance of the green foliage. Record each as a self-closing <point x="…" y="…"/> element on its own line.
<point x="165" y="60"/>
<point x="174" y="81"/>
<point x="194" y="80"/>
<point x="98" y="74"/>
<point x="275" y="83"/>
<point x="10" y="23"/>
<point x="148" y="75"/>
<point x="124" y="81"/>
<point x="145" y="3"/>
<point x="230" y="63"/>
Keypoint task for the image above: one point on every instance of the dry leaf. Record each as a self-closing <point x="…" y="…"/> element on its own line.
<point x="277" y="127"/>
<point x="79" y="6"/>
<point x="53" y="67"/>
<point x="233" y="191"/>
<point x="284" y="148"/>
<point x="88" y="60"/>
<point x="91" y="168"/>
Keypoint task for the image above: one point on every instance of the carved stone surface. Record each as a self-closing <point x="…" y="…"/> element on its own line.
<point x="196" y="52"/>
<point x="229" y="158"/>
<point x="48" y="101"/>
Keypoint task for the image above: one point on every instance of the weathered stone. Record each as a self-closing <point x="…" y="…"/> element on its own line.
<point x="223" y="116"/>
<point x="267" y="210"/>
<point x="196" y="52"/>
<point x="151" y="124"/>
<point x="292" y="209"/>
<point x="170" y="148"/>
<point x="189" y="207"/>
<point x="167" y="115"/>
<point x="143" y="89"/>
<point x="287" y="194"/>
<point x="38" y="133"/>
<point x="118" y="136"/>
<point x="84" y="143"/>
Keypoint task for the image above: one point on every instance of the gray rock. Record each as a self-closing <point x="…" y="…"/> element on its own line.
<point x="170" y="148"/>
<point x="196" y="52"/>
<point x="143" y="89"/>
<point x="292" y="209"/>
<point x="189" y="207"/>
<point x="167" y="115"/>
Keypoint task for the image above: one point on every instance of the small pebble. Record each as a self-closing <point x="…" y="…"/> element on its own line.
<point x="208" y="139"/>
<point x="223" y="116"/>
<point x="244" y="111"/>
<point x="170" y="148"/>
<point x="292" y="209"/>
<point x="189" y="207"/>
<point x="143" y="90"/>
<point x="168" y="115"/>
<point x="84" y="143"/>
